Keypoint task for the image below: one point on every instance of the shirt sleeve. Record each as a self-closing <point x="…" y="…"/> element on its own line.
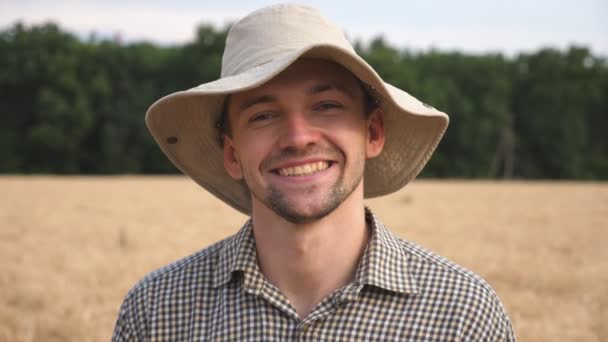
<point x="490" y="322"/>
<point x="131" y="324"/>
<point x="500" y="328"/>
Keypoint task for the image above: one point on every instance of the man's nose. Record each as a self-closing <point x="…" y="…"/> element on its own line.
<point x="298" y="132"/>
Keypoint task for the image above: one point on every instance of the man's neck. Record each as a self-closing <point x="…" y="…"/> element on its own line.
<point x="309" y="261"/>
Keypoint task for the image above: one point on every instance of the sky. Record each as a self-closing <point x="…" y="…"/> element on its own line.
<point x="470" y="26"/>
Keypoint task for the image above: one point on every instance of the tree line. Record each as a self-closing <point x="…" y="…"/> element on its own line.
<point x="71" y="105"/>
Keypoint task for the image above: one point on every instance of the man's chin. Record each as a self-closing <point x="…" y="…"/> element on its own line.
<point x="302" y="217"/>
<point x="302" y="213"/>
<point x="306" y="207"/>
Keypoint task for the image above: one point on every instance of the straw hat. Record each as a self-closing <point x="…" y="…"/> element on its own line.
<point x="259" y="47"/>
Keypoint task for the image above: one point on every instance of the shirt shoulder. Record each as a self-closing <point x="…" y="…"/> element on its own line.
<point x="430" y="263"/>
<point x="200" y="264"/>
<point x="471" y="301"/>
<point x="171" y="283"/>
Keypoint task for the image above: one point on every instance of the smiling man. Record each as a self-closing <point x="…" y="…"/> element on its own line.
<point x="307" y="130"/>
<point x="300" y="141"/>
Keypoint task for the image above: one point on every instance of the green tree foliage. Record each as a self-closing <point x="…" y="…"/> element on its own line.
<point x="46" y="112"/>
<point x="560" y="110"/>
<point x="75" y="106"/>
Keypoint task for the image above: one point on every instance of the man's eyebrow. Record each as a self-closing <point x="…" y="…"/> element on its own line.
<point x="330" y="86"/>
<point x="312" y="91"/>
<point x="256" y="100"/>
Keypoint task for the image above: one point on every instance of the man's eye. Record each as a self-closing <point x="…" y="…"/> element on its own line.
<point x="328" y="106"/>
<point x="261" y="117"/>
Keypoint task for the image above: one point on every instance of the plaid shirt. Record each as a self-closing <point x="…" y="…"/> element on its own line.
<point x="401" y="292"/>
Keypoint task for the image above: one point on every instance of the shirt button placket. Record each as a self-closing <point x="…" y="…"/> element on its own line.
<point x="303" y="332"/>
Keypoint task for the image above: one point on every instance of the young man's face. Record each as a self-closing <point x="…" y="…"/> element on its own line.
<point x="300" y="141"/>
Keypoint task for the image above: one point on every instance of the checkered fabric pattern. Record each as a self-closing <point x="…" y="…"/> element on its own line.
<point x="401" y="292"/>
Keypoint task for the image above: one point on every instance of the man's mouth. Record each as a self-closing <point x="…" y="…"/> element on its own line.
<point x="304" y="170"/>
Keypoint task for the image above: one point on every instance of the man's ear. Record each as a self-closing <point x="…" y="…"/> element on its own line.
<point x="231" y="160"/>
<point x="375" y="133"/>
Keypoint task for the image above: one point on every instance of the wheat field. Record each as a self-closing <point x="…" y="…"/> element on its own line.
<point x="71" y="247"/>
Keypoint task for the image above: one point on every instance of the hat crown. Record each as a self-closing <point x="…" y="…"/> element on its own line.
<point x="273" y="31"/>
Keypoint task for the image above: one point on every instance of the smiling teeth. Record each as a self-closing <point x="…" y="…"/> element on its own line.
<point x="304" y="170"/>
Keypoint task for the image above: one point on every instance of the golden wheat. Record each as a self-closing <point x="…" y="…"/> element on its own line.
<point x="71" y="247"/>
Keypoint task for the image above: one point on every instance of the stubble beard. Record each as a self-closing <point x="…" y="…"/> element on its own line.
<point x="276" y="200"/>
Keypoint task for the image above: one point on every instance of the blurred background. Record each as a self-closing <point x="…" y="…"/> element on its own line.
<point x="525" y="83"/>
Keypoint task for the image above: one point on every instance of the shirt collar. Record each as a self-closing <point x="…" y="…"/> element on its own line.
<point x="384" y="263"/>
<point x="239" y="254"/>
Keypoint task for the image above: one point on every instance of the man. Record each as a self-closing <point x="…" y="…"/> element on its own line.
<point x="306" y="131"/>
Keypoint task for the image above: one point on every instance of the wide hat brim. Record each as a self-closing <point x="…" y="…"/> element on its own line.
<point x="184" y="126"/>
